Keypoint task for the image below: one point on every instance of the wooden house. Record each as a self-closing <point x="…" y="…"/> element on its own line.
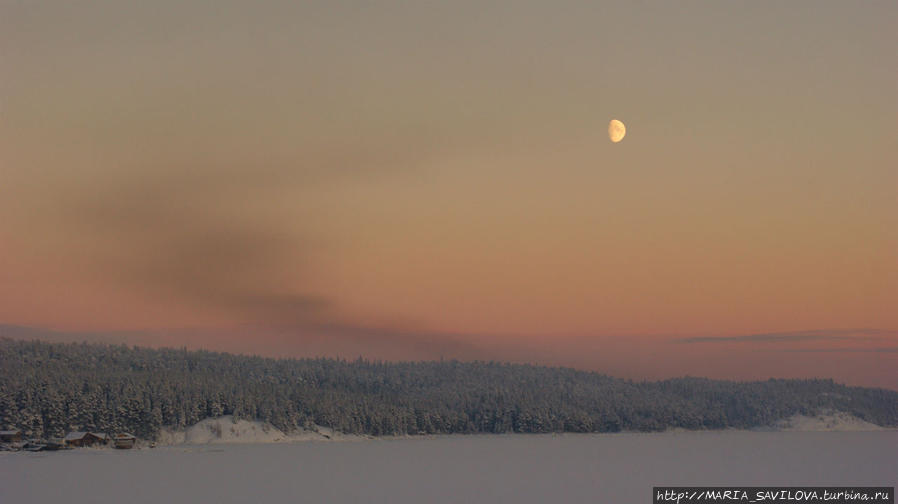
<point x="83" y="439"/>
<point x="124" y="441"/>
<point x="10" y="436"/>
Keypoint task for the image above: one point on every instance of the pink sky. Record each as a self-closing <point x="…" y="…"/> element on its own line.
<point x="411" y="182"/>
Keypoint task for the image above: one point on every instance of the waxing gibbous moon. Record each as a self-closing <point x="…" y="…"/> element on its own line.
<point x="616" y="130"/>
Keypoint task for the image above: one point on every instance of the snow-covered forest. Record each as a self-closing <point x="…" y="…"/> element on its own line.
<point x="47" y="389"/>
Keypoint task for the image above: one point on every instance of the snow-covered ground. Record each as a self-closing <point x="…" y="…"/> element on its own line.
<point x="838" y="421"/>
<point x="226" y="430"/>
<point x="520" y="469"/>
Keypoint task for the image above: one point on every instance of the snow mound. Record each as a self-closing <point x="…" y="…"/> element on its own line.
<point x="837" y="421"/>
<point x="223" y="430"/>
<point x="227" y="430"/>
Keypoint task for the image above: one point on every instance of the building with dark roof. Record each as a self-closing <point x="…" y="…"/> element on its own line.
<point x="83" y="439"/>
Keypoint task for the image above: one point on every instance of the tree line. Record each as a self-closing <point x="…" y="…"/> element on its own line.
<point x="47" y="389"/>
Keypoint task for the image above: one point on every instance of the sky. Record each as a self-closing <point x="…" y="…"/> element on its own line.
<point x="423" y="180"/>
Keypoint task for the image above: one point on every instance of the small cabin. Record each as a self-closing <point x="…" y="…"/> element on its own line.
<point x="84" y="439"/>
<point x="124" y="441"/>
<point x="10" y="436"/>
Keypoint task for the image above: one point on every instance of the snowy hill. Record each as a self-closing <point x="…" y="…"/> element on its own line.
<point x="837" y="421"/>
<point x="227" y="430"/>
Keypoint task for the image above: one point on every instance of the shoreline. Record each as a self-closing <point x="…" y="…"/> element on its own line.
<point x="227" y="431"/>
<point x="216" y="447"/>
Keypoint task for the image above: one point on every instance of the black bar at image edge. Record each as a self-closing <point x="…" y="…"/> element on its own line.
<point x="721" y="495"/>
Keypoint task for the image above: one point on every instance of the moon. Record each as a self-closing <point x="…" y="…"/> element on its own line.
<point x="616" y="130"/>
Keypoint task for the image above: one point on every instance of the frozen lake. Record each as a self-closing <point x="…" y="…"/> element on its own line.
<point x="607" y="468"/>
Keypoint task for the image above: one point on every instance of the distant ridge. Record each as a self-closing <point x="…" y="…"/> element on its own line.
<point x="48" y="389"/>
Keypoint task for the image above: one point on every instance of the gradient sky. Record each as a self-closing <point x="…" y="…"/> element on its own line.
<point x="412" y="180"/>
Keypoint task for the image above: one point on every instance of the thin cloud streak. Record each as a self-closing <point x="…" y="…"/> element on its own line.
<point x="798" y="336"/>
<point x="846" y="350"/>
